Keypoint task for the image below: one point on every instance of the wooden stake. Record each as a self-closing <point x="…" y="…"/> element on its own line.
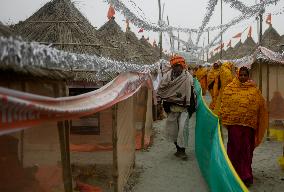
<point x="114" y="144"/>
<point x="144" y="120"/>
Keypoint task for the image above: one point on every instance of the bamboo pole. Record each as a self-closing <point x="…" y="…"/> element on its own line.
<point x="64" y="149"/>
<point x="67" y="150"/>
<point x="22" y="133"/>
<point x="260" y="75"/>
<point x="114" y="143"/>
<point x="161" y="34"/>
<point x="267" y="100"/>
<point x="61" y="133"/>
<point x="221" y="52"/>
<point x="144" y="120"/>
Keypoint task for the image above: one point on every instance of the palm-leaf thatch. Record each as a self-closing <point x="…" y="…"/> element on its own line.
<point x="270" y="39"/>
<point x="5" y="31"/>
<point x="60" y="23"/>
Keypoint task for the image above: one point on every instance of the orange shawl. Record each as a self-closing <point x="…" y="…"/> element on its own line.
<point x="243" y="104"/>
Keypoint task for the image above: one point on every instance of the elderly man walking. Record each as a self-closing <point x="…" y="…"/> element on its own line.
<point x="175" y="91"/>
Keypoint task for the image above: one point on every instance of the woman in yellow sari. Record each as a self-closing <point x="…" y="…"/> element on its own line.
<point x="243" y="112"/>
<point x="213" y="84"/>
<point x="226" y="77"/>
<point x="201" y="75"/>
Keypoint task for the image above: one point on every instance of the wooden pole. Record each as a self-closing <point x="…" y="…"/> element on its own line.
<point x="22" y="133"/>
<point x="260" y="43"/>
<point x="267" y="99"/>
<point x="208" y="44"/>
<point x="260" y="74"/>
<point x="61" y="134"/>
<point x="144" y="119"/>
<point x="171" y="43"/>
<point x="67" y="149"/>
<point x="178" y="40"/>
<point x="221" y="29"/>
<point x="161" y="35"/>
<point x="64" y="149"/>
<point x="114" y="143"/>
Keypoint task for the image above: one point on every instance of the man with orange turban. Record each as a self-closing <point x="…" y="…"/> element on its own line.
<point x="175" y="91"/>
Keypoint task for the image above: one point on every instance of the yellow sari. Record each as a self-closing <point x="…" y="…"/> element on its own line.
<point x="243" y="104"/>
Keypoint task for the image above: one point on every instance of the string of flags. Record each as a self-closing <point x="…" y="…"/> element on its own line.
<point x="239" y="35"/>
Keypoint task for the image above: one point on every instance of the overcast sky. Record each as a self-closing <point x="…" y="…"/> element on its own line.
<point x="183" y="13"/>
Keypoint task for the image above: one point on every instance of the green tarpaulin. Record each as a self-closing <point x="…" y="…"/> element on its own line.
<point x="211" y="155"/>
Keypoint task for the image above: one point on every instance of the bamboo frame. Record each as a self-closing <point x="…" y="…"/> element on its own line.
<point x="22" y="133"/>
<point x="63" y="132"/>
<point x="114" y="143"/>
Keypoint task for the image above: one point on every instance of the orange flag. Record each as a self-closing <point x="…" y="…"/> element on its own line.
<point x="249" y="33"/>
<point x="229" y="44"/>
<point x="268" y="19"/>
<point x="239" y="35"/>
<point x="111" y="12"/>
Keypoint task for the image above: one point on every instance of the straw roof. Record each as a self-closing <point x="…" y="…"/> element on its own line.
<point x="270" y="38"/>
<point x="247" y="48"/>
<point x="112" y="35"/>
<point x="146" y="54"/>
<point x="282" y="39"/>
<point x="7" y="70"/>
<point x="229" y="53"/>
<point x="60" y="23"/>
<point x="5" y="31"/>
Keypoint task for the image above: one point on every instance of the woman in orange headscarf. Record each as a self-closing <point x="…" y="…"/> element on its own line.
<point x="201" y="75"/>
<point x="243" y="112"/>
<point x="226" y="77"/>
<point x="213" y="82"/>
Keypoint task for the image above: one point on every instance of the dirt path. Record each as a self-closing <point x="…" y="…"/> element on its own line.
<point x="162" y="171"/>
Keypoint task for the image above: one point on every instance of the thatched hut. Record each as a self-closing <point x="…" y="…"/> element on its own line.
<point x="37" y="159"/>
<point x="229" y="53"/>
<point x="146" y="43"/>
<point x="247" y="48"/>
<point x="112" y="34"/>
<point x="60" y="24"/>
<point x="236" y="49"/>
<point x="271" y="39"/>
<point x="146" y="53"/>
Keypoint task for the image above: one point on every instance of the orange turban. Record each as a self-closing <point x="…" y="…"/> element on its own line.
<point x="178" y="60"/>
